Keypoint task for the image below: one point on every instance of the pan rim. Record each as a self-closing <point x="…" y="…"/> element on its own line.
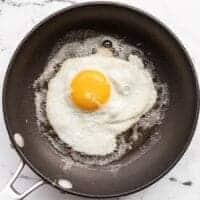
<point x="144" y="14"/>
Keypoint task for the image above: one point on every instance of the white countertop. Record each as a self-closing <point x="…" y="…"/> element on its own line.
<point x="17" y="17"/>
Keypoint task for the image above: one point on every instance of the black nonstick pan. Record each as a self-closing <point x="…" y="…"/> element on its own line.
<point x="173" y="66"/>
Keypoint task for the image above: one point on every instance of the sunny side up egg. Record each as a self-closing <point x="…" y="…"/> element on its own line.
<point x="93" y="99"/>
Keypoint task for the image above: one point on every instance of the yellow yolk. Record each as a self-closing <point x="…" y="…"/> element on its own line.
<point x="90" y="89"/>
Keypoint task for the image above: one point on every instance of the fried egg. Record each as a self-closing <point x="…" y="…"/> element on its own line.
<point x="93" y="99"/>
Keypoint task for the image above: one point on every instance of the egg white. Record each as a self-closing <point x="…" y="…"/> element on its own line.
<point x="94" y="133"/>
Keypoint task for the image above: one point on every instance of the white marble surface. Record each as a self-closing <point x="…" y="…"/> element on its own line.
<point x="17" y="17"/>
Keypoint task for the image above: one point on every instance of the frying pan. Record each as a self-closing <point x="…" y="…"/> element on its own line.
<point x="138" y="169"/>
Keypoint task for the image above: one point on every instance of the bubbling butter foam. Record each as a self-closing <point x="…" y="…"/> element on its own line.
<point x="87" y="44"/>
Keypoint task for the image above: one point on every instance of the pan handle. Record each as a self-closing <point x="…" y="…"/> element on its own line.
<point x="10" y="193"/>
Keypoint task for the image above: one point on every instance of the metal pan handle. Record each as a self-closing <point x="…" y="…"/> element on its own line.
<point x="10" y="193"/>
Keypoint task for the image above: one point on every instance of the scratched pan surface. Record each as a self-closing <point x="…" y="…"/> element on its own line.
<point x="172" y="64"/>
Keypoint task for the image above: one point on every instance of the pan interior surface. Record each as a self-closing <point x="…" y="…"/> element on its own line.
<point x="139" y="168"/>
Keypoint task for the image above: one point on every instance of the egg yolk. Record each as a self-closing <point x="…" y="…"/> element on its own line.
<point x="90" y="89"/>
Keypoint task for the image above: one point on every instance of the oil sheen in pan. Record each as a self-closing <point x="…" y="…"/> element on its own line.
<point x="87" y="43"/>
